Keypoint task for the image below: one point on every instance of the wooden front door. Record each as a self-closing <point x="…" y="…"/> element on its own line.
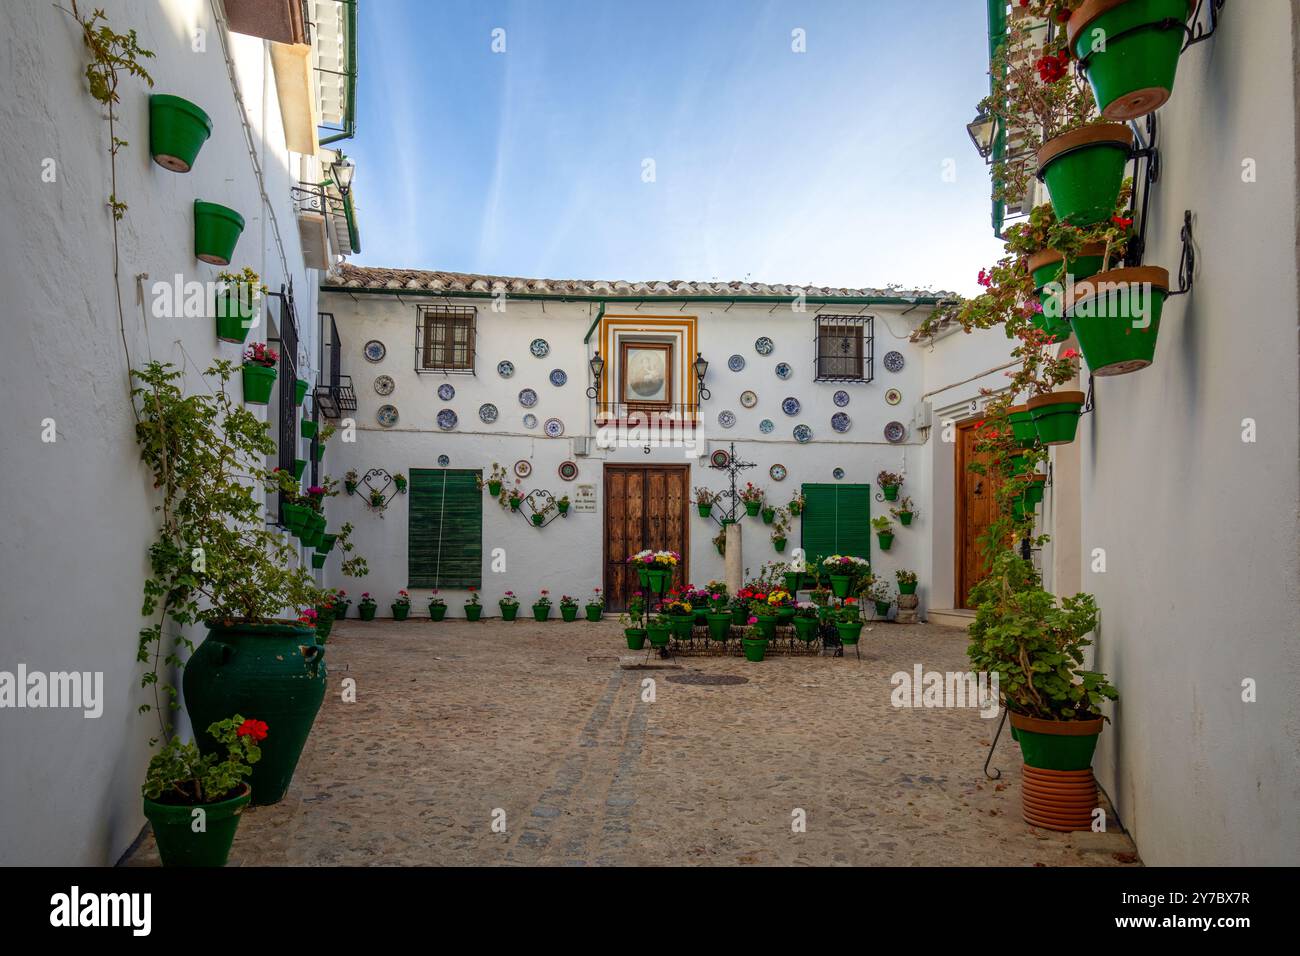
<point x="975" y="511"/>
<point x="645" y="507"/>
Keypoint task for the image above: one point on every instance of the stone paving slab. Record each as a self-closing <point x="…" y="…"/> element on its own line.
<point x="537" y="729"/>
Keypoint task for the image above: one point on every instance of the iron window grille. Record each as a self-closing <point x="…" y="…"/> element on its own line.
<point x="846" y="347"/>
<point x="287" y="380"/>
<point x="445" y="338"/>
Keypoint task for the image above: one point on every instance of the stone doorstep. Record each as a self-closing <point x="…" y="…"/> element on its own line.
<point x="950" y="617"/>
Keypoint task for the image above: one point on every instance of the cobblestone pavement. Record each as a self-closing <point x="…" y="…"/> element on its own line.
<point x="457" y="725"/>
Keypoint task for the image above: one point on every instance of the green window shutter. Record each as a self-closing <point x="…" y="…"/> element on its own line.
<point x="836" y="520"/>
<point x="853" y="522"/>
<point x="817" y="525"/>
<point x="445" y="530"/>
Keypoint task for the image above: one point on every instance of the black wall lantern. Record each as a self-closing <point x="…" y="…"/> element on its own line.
<point x="983" y="130"/>
<point x="597" y="369"/>
<point x="701" y="367"/>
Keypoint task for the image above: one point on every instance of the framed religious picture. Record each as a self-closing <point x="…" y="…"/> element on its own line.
<point x="646" y="373"/>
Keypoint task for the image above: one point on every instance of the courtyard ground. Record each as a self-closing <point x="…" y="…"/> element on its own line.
<point x="535" y="726"/>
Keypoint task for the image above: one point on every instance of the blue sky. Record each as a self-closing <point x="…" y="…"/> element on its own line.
<point x="822" y="167"/>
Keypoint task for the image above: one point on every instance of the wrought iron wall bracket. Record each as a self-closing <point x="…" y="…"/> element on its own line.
<point x="540" y="502"/>
<point x="1187" y="259"/>
<point x="377" y="480"/>
<point x="1198" y="32"/>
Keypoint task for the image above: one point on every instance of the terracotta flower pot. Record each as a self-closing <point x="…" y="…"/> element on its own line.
<point x="1133" y="73"/>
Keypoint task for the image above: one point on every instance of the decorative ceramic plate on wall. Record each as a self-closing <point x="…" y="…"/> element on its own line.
<point x="777" y="472"/>
<point x="895" y="432"/>
<point x="783" y="370"/>
<point x="720" y="458"/>
<point x="748" y="399"/>
<point x="767" y="426"/>
<point x="444" y="461"/>
<point x="554" y="428"/>
<point x="384" y="384"/>
<point x="505" y="369"/>
<point x="527" y="398"/>
<point x="837" y="474"/>
<point x="568" y="470"/>
<point x="841" y="398"/>
<point x="763" y="345"/>
<point x="802" y="434"/>
<point x="558" y="377"/>
<point x="375" y="351"/>
<point x="726" y="418"/>
<point x="736" y="363"/>
<point x="841" y="422"/>
<point x="893" y="396"/>
<point x="791" y="406"/>
<point x="523" y="468"/>
<point x="530" y="420"/>
<point x="387" y="415"/>
<point x="540" y="348"/>
<point x="893" y="361"/>
<point x="447" y="419"/>
<point x="487" y="413"/>
<point x="446" y="391"/>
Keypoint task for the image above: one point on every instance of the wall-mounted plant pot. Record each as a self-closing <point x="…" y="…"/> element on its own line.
<point x="1133" y="73"/>
<point x="177" y="131"/>
<point x="216" y="230"/>
<point x="308" y="429"/>
<point x="890" y="492"/>
<point x="1033" y="496"/>
<point x="905" y="518"/>
<point x="294" y="516"/>
<point x="769" y="515"/>
<point x="258" y="380"/>
<point x="886" y="540"/>
<point x="703" y="509"/>
<point x="537" y="520"/>
<point x="906" y="587"/>
<point x="515" y="503"/>
<point x="327" y="543"/>
<point x="562" y="507"/>
<point x="1084" y="170"/>
<point x="752" y="507"/>
<point x="180" y="845"/>
<point x="1045" y="266"/>
<point x="299" y="466"/>
<point x="350" y="487"/>
<point x="1116" y="317"/>
<point x="318" y="560"/>
<point x="236" y="315"/>
<point x="300" y="387"/>
<point x="779" y="544"/>
<point x="1056" y="416"/>
<point x="1022" y="425"/>
<point x="319" y="453"/>
<point x="494" y="488"/>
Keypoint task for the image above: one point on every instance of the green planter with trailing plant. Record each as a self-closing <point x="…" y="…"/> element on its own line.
<point x="1132" y="73"/>
<point x="889" y="484"/>
<point x="509" y="605"/>
<point x="216" y="231"/>
<point x="1116" y="318"/>
<point x="1022" y="425"/>
<point x="259" y="373"/>
<point x="294" y="516"/>
<point x="904" y="512"/>
<point x="538" y="520"/>
<point x="1051" y="273"/>
<point x="884" y="529"/>
<point x="177" y="131"/>
<point x="237" y="304"/>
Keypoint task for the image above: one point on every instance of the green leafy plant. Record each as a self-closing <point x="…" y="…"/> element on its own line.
<point x="1034" y="645"/>
<point x="904" y="576"/>
<point x="882" y="525"/>
<point x="888" y="479"/>
<point x="178" y="774"/>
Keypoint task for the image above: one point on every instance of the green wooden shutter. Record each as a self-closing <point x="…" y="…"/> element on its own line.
<point x="853" y="520"/>
<point x="445" y="529"/>
<point x="817" y="524"/>
<point x="836" y="520"/>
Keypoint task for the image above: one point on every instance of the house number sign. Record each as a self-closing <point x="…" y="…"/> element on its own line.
<point x="584" y="498"/>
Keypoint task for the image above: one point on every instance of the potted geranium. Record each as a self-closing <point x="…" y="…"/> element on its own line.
<point x="889" y="484"/>
<point x="906" y="581"/>
<point x="879" y="594"/>
<point x="1034" y="644"/>
<point x="595" y="605"/>
<point x="904" y="512"/>
<point x="796" y="504"/>
<point x="509" y="605"/>
<point x="768" y="514"/>
<point x="806" y="621"/>
<point x="542" y="606"/>
<point x="780" y="528"/>
<point x="437" y="607"/>
<point x="473" y="609"/>
<point x="848" y="622"/>
<point x="259" y="373"/>
<point x="704" y="499"/>
<point x="884" y="529"/>
<point x="658" y="629"/>
<point x="568" y="608"/>
<point x="844" y="570"/>
<point x="718" y="616"/>
<point x="494" y="480"/>
<point x="366" y="607"/>
<point x="350" y="480"/>
<point x="401" y="606"/>
<point x="752" y="498"/>
<point x="764" y="616"/>
<point x="754" y="643"/>
<point x="237" y="304"/>
<point x="516" y="498"/>
<point x="632" y="621"/>
<point x="342" y="604"/>
<point x="182" y="786"/>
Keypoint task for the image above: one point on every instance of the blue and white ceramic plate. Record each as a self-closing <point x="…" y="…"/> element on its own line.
<point x="777" y="472"/>
<point x="540" y="348"/>
<point x="841" y="398"/>
<point x="447" y="419"/>
<point x="783" y="370"/>
<point x="726" y="418"/>
<point x="487" y="413"/>
<point x="387" y="415"/>
<point x="444" y="461"/>
<point x="748" y="399"/>
<point x="554" y="428"/>
<point x="736" y="363"/>
<point x="375" y="351"/>
<point x="530" y="420"/>
<point x="763" y="345"/>
<point x="840" y="421"/>
<point x="527" y="398"/>
<point x="895" y="432"/>
<point x="767" y="426"/>
<point x="837" y="474"/>
<point x="893" y="361"/>
<point x="446" y="392"/>
<point x="558" y="377"/>
<point x="791" y="406"/>
<point x="505" y="369"/>
<point x="802" y="434"/>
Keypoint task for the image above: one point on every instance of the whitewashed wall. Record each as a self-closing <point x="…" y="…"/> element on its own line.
<point x="565" y="557"/>
<point x="78" y="513"/>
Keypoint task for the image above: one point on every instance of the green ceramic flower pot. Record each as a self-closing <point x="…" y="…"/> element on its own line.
<point x="1084" y="170"/>
<point x="905" y="518"/>
<point x="792" y="580"/>
<point x="719" y="625"/>
<point x="318" y="560"/>
<point x="752" y="507"/>
<point x="494" y="488"/>
<point x="541" y="612"/>
<point x="1050" y="283"/>
<point x="473" y="612"/>
<point x="236" y="316"/>
<point x="635" y="638"/>
<point x="308" y="429"/>
<point x="779" y="544"/>
<point x="568" y="614"/>
<point x="849" y="633"/>
<point x="258" y="380"/>
<point x="1116" y="318"/>
<point x="1056" y="416"/>
<point x="294" y="516"/>
<point x="882" y="608"/>
<point x="905" y="587"/>
<point x="704" y="510"/>
<point x="765" y="627"/>
<point x="180" y="845"/>
<point x="769" y="515"/>
<point x="1022" y="425"/>
<point x="1056" y="744"/>
<point x="642" y="576"/>
<point x="270" y="672"/>
<point x="537" y="520"/>
<point x="299" y="466"/>
<point x="658" y="580"/>
<point x="805" y="628"/>
<point x="886" y="539"/>
<point x="755" y="648"/>
<point x="177" y="131"/>
<point x="1133" y="74"/>
<point x="594" y="612"/>
<point x="216" y="230"/>
<point x="740" y="616"/>
<point x="300" y="387"/>
<point x="327" y="543"/>
<point x="840" y="585"/>
<point x="437" y="612"/>
<point x="680" y="625"/>
<point x="400" y="611"/>
<point x="658" y="635"/>
<point x="367" y="611"/>
<point x="509" y="611"/>
<point x="890" y="491"/>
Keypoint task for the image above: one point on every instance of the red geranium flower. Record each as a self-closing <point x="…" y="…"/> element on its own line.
<point x="252" y="728"/>
<point x="1121" y="221"/>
